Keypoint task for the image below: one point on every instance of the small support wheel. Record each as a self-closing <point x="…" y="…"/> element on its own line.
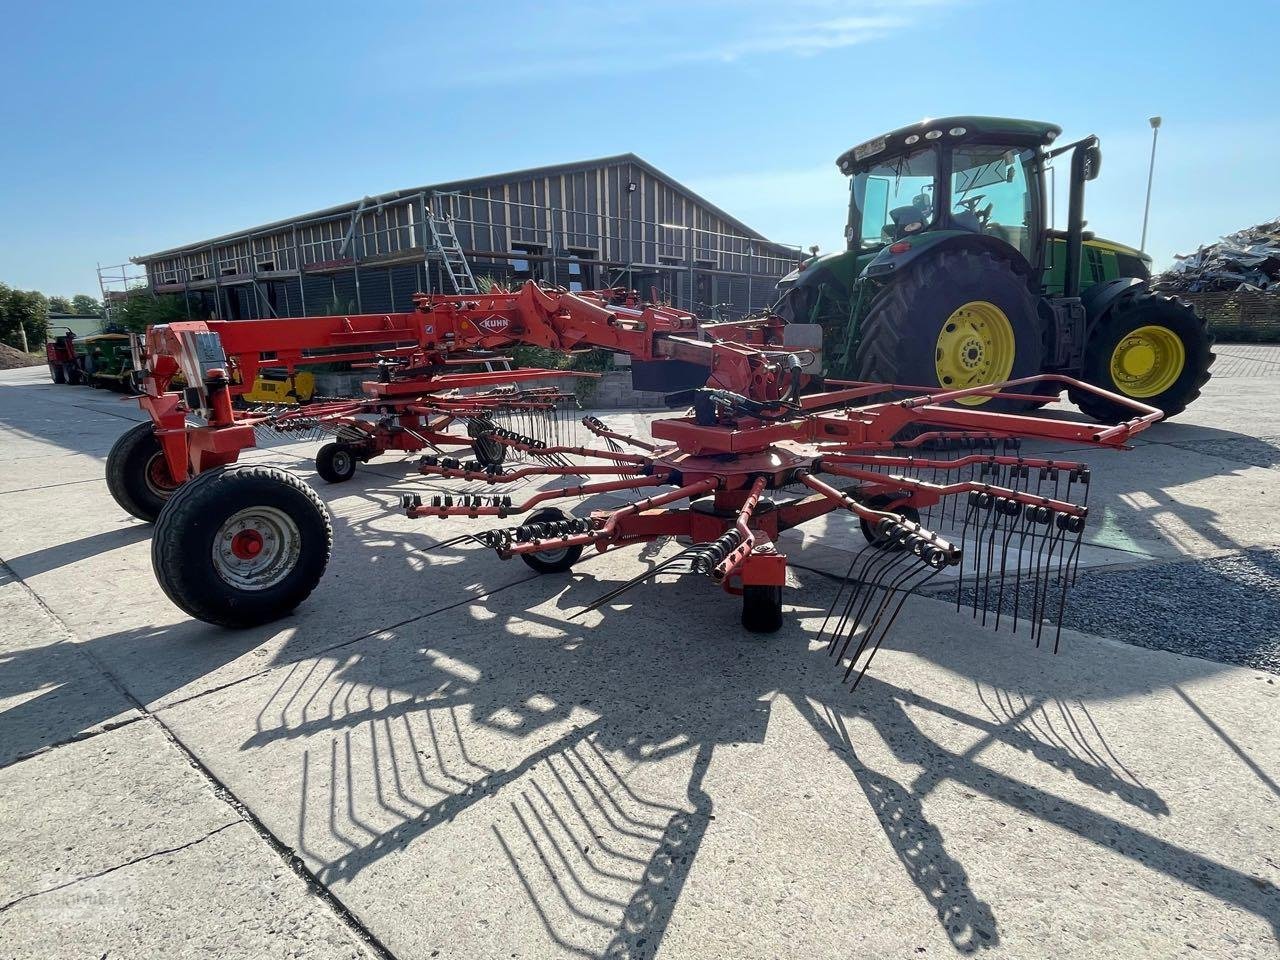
<point x="552" y="561"/>
<point x="242" y="545"/>
<point x="58" y="372"/>
<point x="138" y="476"/>
<point x="488" y="451"/>
<point x="762" y="608"/>
<point x="336" y="462"/>
<point x="880" y="543"/>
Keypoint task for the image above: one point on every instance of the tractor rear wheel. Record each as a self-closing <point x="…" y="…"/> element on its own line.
<point x="961" y="318"/>
<point x="242" y="545"/>
<point x="138" y="475"/>
<point x="1151" y="348"/>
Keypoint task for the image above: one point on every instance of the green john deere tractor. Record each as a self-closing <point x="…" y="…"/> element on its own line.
<point x="952" y="276"/>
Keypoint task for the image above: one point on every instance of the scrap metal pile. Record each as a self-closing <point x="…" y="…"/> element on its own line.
<point x="764" y="448"/>
<point x="1247" y="260"/>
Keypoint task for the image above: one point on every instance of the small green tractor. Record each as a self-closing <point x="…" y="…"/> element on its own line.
<point x="953" y="276"/>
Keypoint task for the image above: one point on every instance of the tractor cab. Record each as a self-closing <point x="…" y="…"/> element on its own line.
<point x="980" y="176"/>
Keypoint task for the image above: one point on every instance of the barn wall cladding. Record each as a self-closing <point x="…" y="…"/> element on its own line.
<point x="616" y="221"/>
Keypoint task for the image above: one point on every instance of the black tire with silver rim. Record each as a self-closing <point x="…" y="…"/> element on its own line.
<point x="551" y="561"/>
<point x="336" y="462"/>
<point x="241" y="546"/>
<point x="138" y="474"/>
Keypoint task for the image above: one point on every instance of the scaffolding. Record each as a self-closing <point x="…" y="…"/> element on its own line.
<point x="116" y="284"/>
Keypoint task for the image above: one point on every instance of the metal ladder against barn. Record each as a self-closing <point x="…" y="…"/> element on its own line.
<point x="447" y="248"/>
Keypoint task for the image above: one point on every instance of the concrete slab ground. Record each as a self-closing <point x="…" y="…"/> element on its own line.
<point x="440" y="755"/>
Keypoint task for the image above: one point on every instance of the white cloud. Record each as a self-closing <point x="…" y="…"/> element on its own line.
<point x="564" y="40"/>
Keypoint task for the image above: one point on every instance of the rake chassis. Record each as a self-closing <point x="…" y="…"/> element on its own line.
<point x="754" y="457"/>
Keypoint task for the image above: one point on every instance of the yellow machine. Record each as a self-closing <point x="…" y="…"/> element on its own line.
<point x="276" y="388"/>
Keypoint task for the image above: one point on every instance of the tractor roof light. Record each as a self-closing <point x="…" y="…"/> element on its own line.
<point x="957" y="131"/>
<point x="914" y="138"/>
<point x="933" y="135"/>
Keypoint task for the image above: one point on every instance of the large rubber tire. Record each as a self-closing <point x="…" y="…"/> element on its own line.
<point x="58" y="372"/>
<point x="762" y="609"/>
<point x="900" y="332"/>
<point x="1141" y="310"/>
<point x="138" y="475"/>
<point x="193" y="550"/>
<point x="551" y="561"/>
<point x="336" y="462"/>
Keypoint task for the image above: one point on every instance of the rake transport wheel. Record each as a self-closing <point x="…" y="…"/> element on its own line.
<point x="242" y="545"/>
<point x="488" y="451"/>
<point x="961" y="318"/>
<point x="551" y="561"/>
<point x="1149" y="347"/>
<point x="137" y="473"/>
<point x="762" y="608"/>
<point x="336" y="462"/>
<point x="877" y="540"/>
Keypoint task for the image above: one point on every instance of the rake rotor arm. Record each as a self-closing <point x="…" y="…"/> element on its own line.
<point x="469" y="506"/>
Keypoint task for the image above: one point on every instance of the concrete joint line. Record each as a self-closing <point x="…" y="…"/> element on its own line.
<point x="244" y="814"/>
<point x="119" y="866"/>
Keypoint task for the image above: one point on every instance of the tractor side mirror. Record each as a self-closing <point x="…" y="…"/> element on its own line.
<point x="1092" y="162"/>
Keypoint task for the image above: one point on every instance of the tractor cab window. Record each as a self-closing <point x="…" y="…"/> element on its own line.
<point x="894" y="199"/>
<point x="990" y="193"/>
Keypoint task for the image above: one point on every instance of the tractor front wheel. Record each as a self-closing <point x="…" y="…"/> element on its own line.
<point x="961" y="318"/>
<point x="1151" y="348"/>
<point x="242" y="545"/>
<point x="336" y="462"/>
<point x="138" y="475"/>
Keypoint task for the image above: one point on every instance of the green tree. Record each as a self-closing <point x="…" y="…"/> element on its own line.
<point x="141" y="310"/>
<point x="23" y="310"/>
<point x="59" y="305"/>
<point x="83" y="305"/>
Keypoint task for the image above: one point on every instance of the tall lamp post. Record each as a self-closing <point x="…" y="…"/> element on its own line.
<point x="1151" y="170"/>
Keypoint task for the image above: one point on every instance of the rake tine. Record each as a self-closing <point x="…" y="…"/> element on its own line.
<point x="1013" y="515"/>
<point x="928" y="575"/>
<point x="1062" y="596"/>
<point x="874" y="587"/>
<point x="887" y="597"/>
<point x="633" y="582"/>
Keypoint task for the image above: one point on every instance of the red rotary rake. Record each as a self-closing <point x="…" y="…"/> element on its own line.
<point x="754" y="457"/>
<point x="736" y="474"/>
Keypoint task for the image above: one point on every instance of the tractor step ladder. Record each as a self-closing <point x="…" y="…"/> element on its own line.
<point x="446" y="247"/>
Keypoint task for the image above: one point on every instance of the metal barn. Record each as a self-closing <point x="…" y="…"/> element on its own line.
<point x="613" y="221"/>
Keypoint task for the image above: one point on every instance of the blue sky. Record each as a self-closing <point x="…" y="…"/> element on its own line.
<point x="132" y="127"/>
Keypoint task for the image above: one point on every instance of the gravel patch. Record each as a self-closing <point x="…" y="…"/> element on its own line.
<point x="1225" y="609"/>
